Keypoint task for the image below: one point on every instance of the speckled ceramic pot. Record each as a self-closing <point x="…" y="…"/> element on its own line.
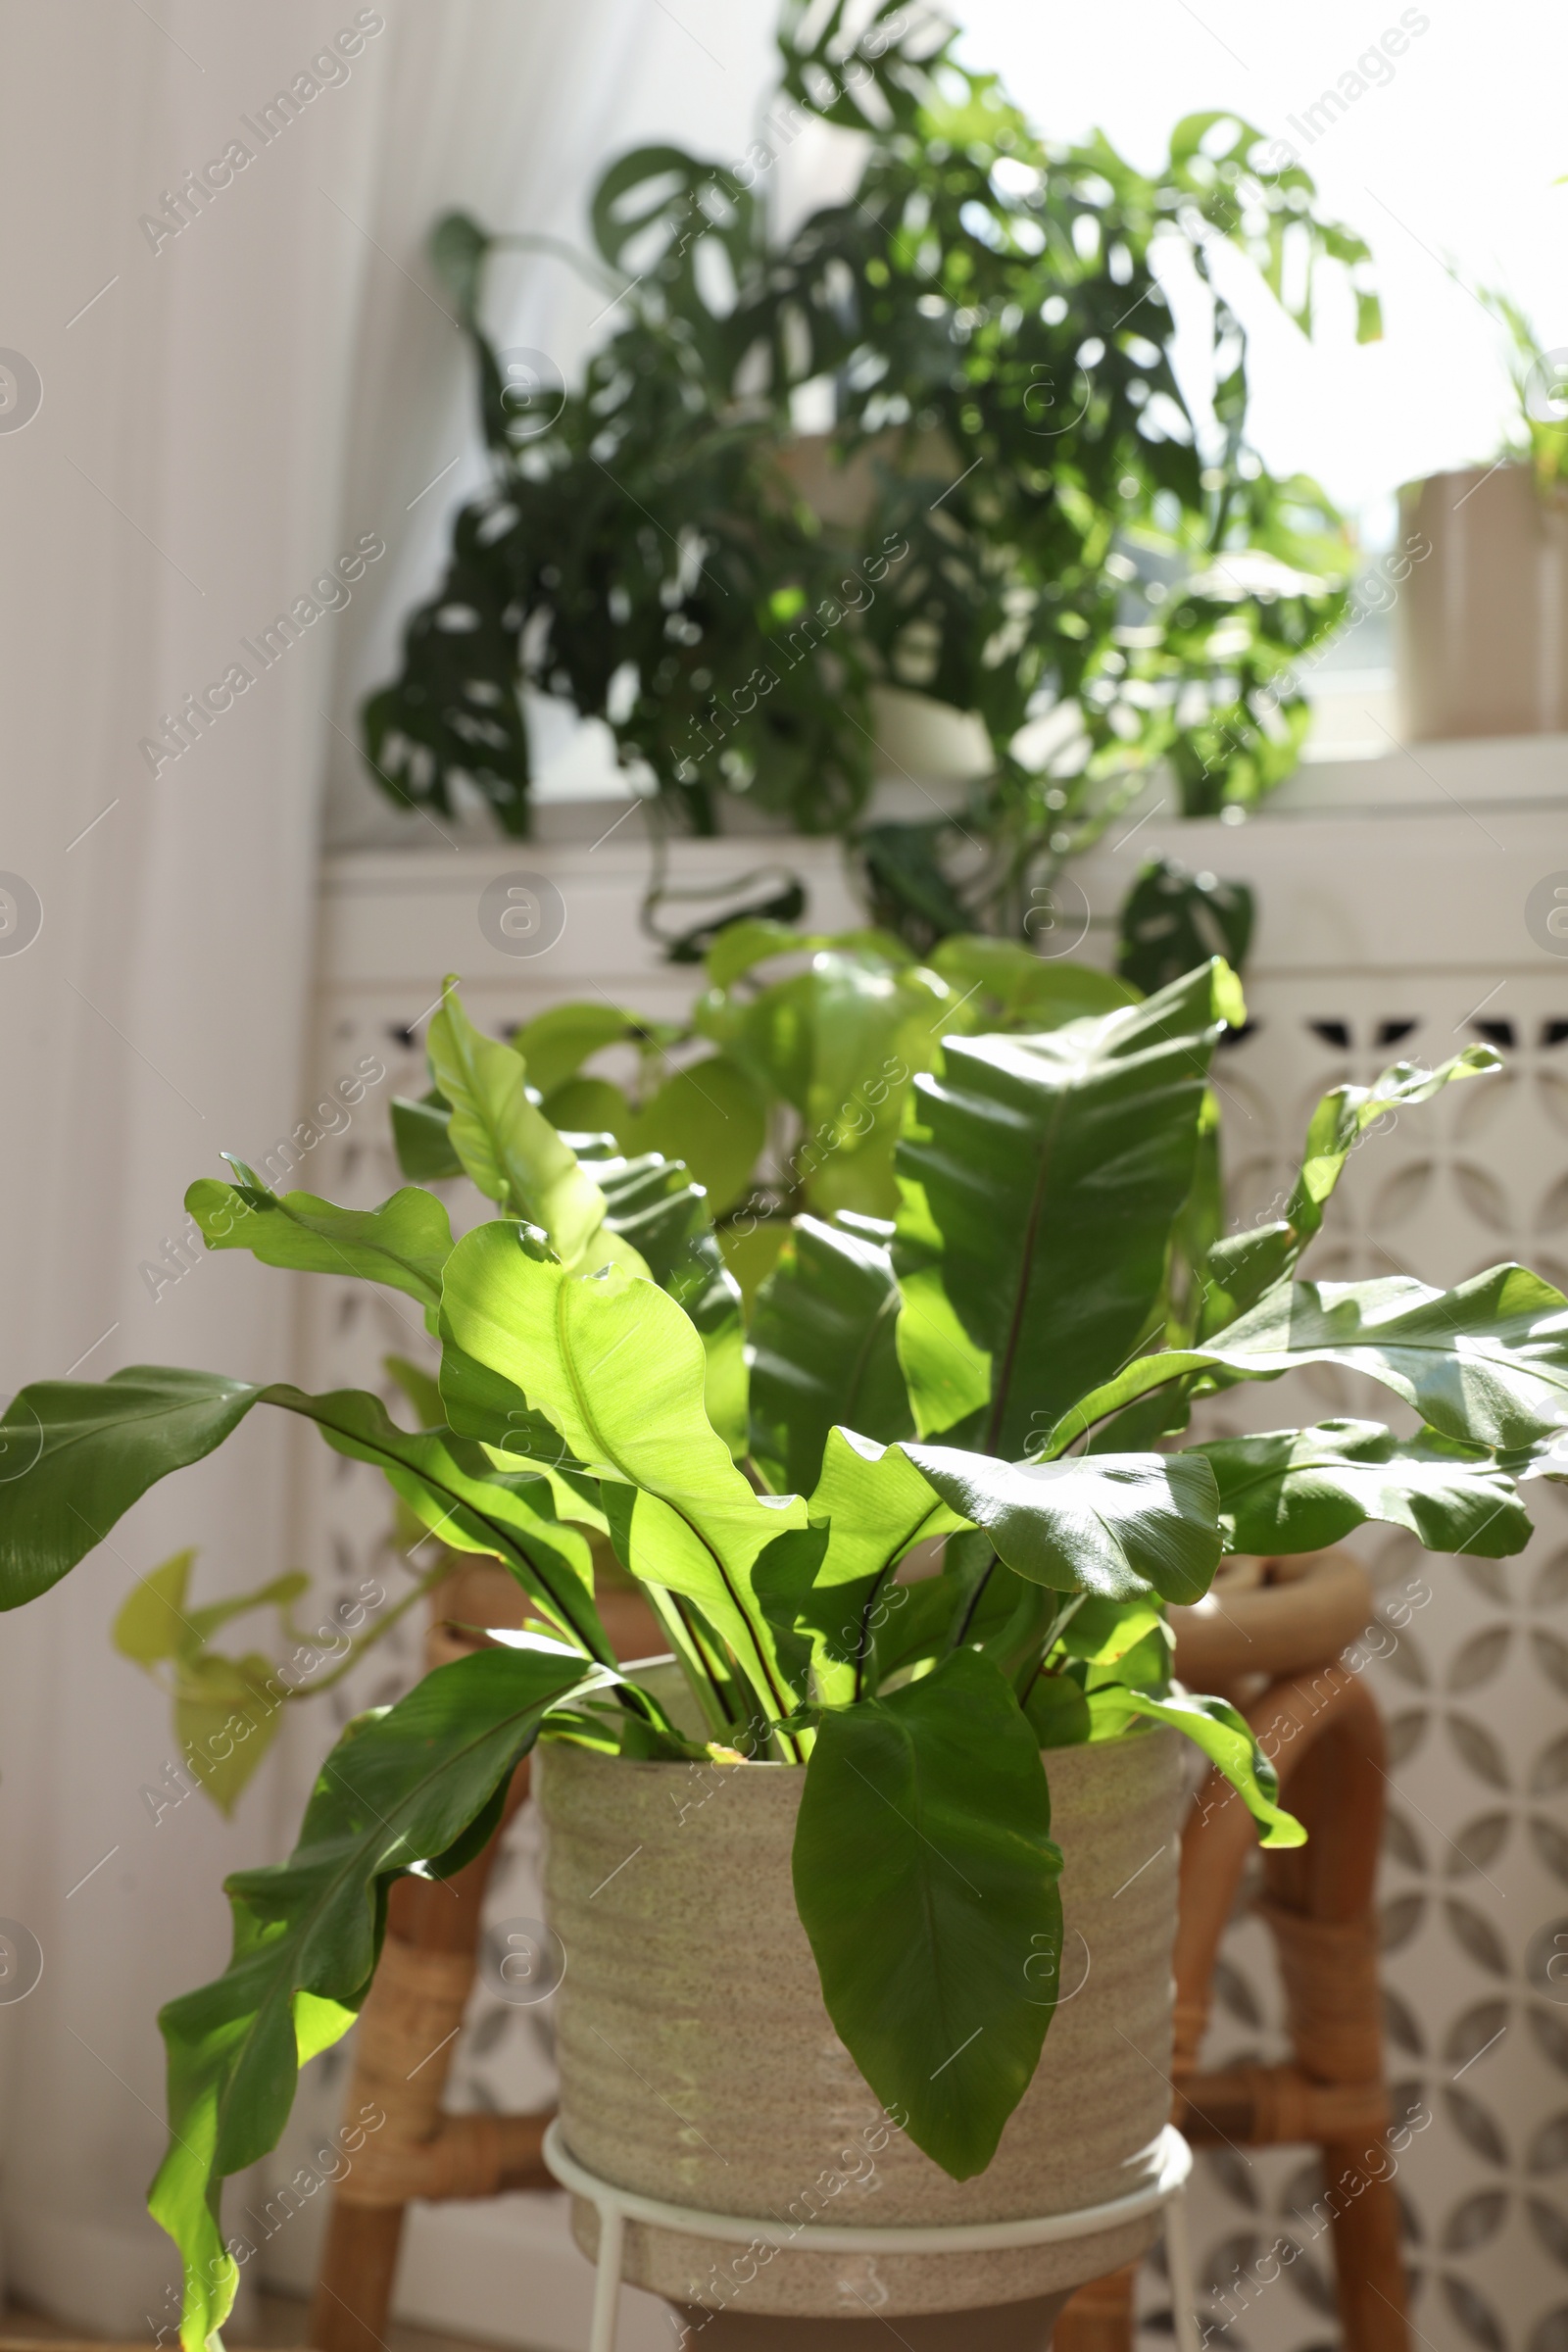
<point x="698" y="2063"/>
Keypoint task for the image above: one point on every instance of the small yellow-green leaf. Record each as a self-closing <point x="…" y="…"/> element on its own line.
<point x="226" y="1714"/>
<point x="151" y="1624"/>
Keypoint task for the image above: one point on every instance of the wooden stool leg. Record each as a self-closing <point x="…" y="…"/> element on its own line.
<point x="1098" y="2317"/>
<point x="1320" y="1909"/>
<point x="354" y="2287"/>
<point x="1327" y="1736"/>
<point x="1366" y="2252"/>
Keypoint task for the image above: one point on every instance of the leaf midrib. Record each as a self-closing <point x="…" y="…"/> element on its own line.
<point x="924" y="1844"/>
<point x="888" y="1306"/>
<point x="1004" y="1382"/>
<point x="429" y="1290"/>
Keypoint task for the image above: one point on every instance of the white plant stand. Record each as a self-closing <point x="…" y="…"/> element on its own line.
<point x="618" y="2206"/>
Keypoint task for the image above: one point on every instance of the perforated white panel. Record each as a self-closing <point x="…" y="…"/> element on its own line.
<point x="1474" y="1667"/>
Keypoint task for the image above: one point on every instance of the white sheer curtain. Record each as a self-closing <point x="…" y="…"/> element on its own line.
<point x="226" y="412"/>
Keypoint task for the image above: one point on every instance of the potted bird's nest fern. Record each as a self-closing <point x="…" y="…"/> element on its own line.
<point x="910" y="1544"/>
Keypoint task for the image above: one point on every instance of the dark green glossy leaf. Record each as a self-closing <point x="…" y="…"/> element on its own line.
<point x="1302" y="1490"/>
<point x="421" y="1139"/>
<point x="824" y="1351"/>
<point x="1057" y="1710"/>
<point x="875" y="1506"/>
<point x="97" y="1448"/>
<point x="924" y="1876"/>
<point x="1119" y="1526"/>
<point x="1041" y="1177"/>
<point x="77" y="1454"/>
<point x="1054" y="534"/>
<point x="454" y="1489"/>
<point x="1172" y="919"/>
<point x="402" y="1786"/>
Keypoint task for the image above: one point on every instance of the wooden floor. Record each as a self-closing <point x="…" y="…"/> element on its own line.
<point x="282" y="2328"/>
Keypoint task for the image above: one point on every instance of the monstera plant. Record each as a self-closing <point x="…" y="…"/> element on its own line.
<point x="1007" y="1364"/>
<point x="1024" y="510"/>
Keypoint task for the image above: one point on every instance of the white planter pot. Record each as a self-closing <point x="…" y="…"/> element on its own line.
<point x="1482" y="623"/>
<point x="699" y="2065"/>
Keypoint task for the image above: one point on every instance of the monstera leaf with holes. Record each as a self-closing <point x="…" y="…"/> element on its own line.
<point x="939" y="1547"/>
<point x="1015" y="509"/>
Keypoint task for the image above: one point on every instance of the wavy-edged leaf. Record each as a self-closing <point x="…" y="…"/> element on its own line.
<point x="1225" y="1738"/>
<point x="400" y="1787"/>
<point x="1302" y="1490"/>
<point x="1243" y="1266"/>
<point x="508" y="1148"/>
<point x="825" y="1350"/>
<point x="1485" y="1362"/>
<point x="1118" y="1526"/>
<point x="924" y="1870"/>
<point x="618" y="1369"/>
<point x="481" y="1403"/>
<point x="404" y="1242"/>
<point x="100" y="1447"/>
<point x="1042" y="1177"/>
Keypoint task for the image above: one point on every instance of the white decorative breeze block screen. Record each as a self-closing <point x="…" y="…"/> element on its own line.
<point x="1381" y="934"/>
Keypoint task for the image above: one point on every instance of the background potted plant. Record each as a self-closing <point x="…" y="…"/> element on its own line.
<point x="1046" y="1299"/>
<point x="1480" y="630"/>
<point x="1017" y="513"/>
